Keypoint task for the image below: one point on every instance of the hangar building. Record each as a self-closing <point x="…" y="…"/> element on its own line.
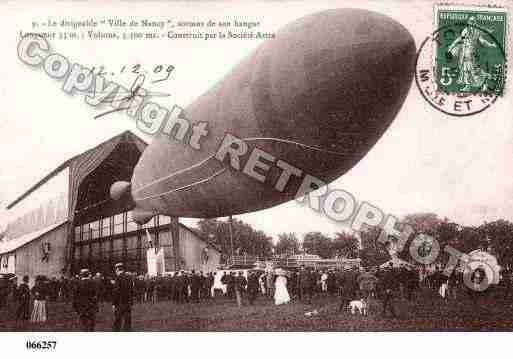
<point x="67" y="221"/>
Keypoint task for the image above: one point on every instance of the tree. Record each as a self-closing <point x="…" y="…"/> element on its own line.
<point x="469" y="239"/>
<point x="317" y="243"/>
<point x="442" y="230"/>
<point x="373" y="252"/>
<point x="287" y="243"/>
<point x="246" y="240"/>
<point x="446" y="233"/>
<point x="498" y="235"/>
<point x="345" y="245"/>
<point x="423" y="222"/>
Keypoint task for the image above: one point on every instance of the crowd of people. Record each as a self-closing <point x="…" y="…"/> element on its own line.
<point x="86" y="291"/>
<point x="180" y="287"/>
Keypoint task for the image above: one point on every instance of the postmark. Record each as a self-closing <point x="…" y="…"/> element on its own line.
<point x="461" y="67"/>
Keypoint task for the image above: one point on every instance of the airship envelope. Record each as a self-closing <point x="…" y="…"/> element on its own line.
<point x="312" y="101"/>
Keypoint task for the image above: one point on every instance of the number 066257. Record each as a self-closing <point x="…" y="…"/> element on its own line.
<point x="41" y="344"/>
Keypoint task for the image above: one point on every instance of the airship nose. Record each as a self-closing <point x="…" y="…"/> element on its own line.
<point x="119" y="189"/>
<point x="337" y="82"/>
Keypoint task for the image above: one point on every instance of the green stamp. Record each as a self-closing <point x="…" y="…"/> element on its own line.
<point x="470" y="50"/>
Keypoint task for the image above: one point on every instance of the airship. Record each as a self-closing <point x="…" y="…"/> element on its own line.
<point x="318" y="97"/>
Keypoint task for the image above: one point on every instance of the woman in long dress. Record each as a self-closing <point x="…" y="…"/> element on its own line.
<point x="39" y="311"/>
<point x="261" y="282"/>
<point x="281" y="294"/>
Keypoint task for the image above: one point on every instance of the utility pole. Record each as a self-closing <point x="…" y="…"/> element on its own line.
<point x="230" y="223"/>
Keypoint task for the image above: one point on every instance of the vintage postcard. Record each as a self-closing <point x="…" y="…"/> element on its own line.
<point x="268" y="166"/>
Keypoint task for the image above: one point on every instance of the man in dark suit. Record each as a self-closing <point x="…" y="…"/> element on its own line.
<point x="195" y="286"/>
<point x="230" y="287"/>
<point x="348" y="288"/>
<point x="186" y="285"/>
<point x="209" y="284"/>
<point x="252" y="287"/>
<point x="23" y="300"/>
<point x="122" y="300"/>
<point x="390" y="289"/>
<point x="204" y="293"/>
<point x="4" y="291"/>
<point x="239" y="285"/>
<point x="85" y="301"/>
<point x="179" y="286"/>
<point x="225" y="279"/>
<point x="306" y="278"/>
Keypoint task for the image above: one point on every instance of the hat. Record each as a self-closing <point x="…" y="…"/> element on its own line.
<point x="119" y="265"/>
<point x="280" y="271"/>
<point x="84" y="272"/>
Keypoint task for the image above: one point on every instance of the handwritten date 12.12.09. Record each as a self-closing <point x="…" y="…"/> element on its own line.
<point x="157" y="73"/>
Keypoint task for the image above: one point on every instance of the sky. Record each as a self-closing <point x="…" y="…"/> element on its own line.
<point x="457" y="167"/>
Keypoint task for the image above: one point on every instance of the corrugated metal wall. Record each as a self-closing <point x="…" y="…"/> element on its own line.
<point x="29" y="257"/>
<point x="193" y="256"/>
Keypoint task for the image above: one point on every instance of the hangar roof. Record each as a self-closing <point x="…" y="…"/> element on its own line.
<point x="13" y="244"/>
<point x="125" y="136"/>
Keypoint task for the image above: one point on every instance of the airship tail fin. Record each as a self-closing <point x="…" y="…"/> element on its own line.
<point x="141" y="216"/>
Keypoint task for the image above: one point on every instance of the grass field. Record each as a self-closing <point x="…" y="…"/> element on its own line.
<point x="427" y="313"/>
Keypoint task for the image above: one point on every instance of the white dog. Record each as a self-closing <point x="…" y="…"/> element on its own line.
<point x="360" y="305"/>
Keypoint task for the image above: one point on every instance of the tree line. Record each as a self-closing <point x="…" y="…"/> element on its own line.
<point x="248" y="241"/>
<point x="496" y="237"/>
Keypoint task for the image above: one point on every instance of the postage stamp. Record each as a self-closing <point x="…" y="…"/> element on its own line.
<point x="469" y="54"/>
<point x="461" y="67"/>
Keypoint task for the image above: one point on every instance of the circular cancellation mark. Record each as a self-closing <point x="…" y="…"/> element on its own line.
<point x="460" y="69"/>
